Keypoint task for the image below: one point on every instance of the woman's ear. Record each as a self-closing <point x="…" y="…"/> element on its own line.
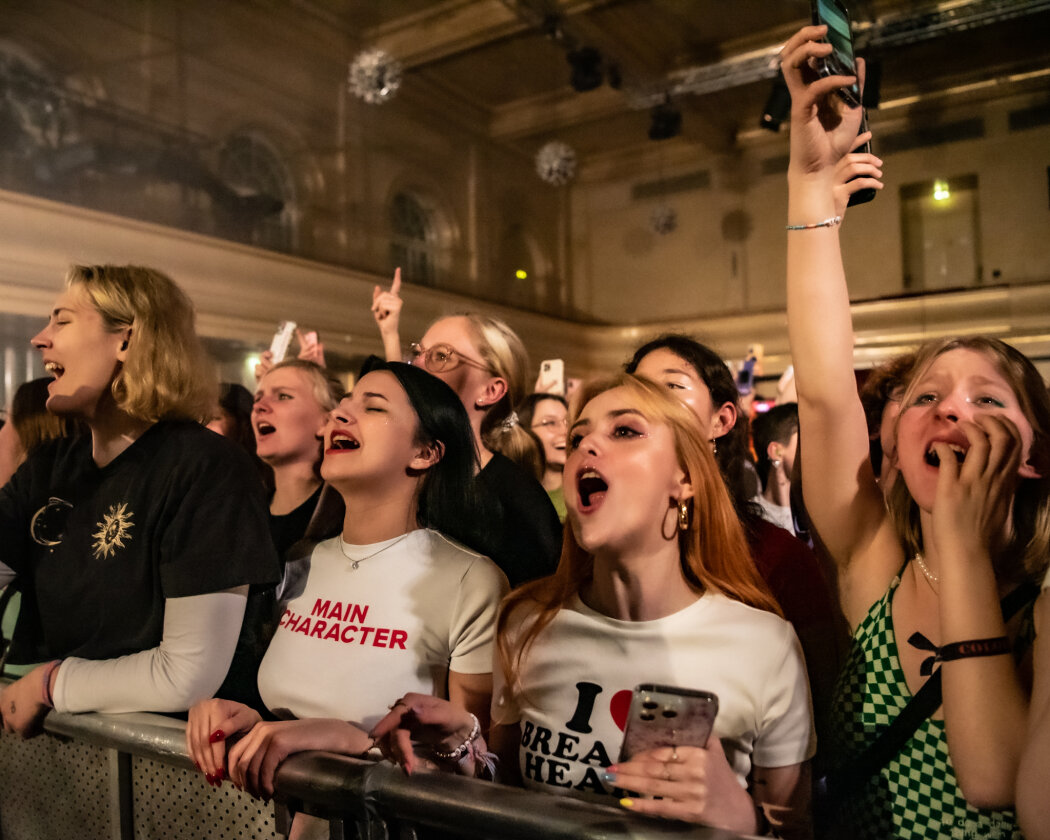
<point x="428" y="455"/>
<point x="123" y="350"/>
<point x="684" y="490"/>
<point x="492" y="392"/>
<point x="724" y="420"/>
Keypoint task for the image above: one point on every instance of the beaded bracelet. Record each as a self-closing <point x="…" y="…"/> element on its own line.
<point x="832" y="221"/>
<point x="49" y="669"/>
<point x="462" y="748"/>
<point x="995" y="646"/>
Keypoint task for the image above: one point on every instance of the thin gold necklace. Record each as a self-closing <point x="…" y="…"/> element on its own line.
<point x="357" y="561"/>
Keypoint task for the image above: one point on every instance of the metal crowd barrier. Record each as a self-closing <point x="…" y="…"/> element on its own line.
<point x="119" y="777"/>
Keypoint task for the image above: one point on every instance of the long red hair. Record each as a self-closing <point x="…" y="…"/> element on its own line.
<point x="713" y="551"/>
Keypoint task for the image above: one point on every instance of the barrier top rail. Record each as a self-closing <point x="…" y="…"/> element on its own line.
<point x="329" y="784"/>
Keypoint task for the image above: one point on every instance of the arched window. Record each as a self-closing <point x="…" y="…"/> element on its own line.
<point x="261" y="208"/>
<point x="415" y="238"/>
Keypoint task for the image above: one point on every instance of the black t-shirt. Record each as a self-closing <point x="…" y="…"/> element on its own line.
<point x="288" y="528"/>
<point x="97" y="550"/>
<point x="526" y="542"/>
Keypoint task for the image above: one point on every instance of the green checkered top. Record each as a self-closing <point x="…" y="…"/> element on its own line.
<point x="916" y="795"/>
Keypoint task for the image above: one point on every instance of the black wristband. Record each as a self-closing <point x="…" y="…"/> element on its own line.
<point x="974" y="647"/>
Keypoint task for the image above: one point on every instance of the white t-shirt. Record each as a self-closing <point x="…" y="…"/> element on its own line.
<point x="577" y="679"/>
<point x="358" y="639"/>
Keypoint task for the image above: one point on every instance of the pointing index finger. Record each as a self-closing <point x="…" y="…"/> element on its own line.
<point x="395" y="287"/>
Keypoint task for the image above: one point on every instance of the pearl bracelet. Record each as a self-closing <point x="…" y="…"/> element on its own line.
<point x="462" y="748"/>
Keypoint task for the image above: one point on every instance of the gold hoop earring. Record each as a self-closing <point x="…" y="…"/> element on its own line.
<point x="683" y="515"/>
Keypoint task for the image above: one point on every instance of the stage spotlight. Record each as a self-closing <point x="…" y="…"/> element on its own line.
<point x="666" y="122"/>
<point x="586" y="64"/>
<point x="778" y="106"/>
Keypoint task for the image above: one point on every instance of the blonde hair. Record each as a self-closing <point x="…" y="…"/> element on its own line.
<point x="1028" y="547"/>
<point x="166" y="373"/>
<point x="713" y="551"/>
<point x="504" y="353"/>
<point x="325" y="386"/>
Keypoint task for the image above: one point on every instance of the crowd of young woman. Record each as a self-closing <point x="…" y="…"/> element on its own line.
<point x="343" y="584"/>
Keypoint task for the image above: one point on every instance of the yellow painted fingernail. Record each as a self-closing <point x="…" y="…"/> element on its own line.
<point x="627" y="803"/>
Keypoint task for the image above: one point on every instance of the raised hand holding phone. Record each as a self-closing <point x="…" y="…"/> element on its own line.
<point x="823" y="127"/>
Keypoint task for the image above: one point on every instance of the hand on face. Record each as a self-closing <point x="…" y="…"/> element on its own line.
<point x="694" y="784"/>
<point x="974" y="497"/>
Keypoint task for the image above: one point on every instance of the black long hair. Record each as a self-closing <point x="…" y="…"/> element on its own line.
<point x="731" y="450"/>
<point x="448" y="497"/>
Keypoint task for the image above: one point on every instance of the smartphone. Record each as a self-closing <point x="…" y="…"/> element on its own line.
<point x="868" y="193"/>
<point x="552" y="374"/>
<point x="745" y="377"/>
<point x="841" y="62"/>
<point x="667" y="716"/>
<point x="281" y="339"/>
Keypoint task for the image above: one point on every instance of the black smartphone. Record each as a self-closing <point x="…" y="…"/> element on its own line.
<point x="667" y="716"/>
<point x="841" y="62"/>
<point x="868" y="193"/>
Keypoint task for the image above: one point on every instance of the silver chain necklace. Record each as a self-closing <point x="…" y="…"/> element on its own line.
<point x="357" y="561"/>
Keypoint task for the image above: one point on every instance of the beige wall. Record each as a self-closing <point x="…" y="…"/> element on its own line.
<point x="623" y="272"/>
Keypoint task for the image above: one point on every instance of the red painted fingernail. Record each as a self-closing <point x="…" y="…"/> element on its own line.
<point x="210" y="778"/>
<point x="197" y="765"/>
<point x="216" y="736"/>
<point x="221" y="774"/>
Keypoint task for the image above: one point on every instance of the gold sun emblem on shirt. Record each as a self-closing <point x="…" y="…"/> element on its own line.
<point x="112" y="531"/>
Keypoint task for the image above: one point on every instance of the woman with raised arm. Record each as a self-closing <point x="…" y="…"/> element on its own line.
<point x="655" y="585"/>
<point x="922" y="574"/>
<point x="134" y="544"/>
<point x="392" y="604"/>
<point x="485" y="363"/>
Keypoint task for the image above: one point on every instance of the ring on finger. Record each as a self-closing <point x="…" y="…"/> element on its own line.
<point x="667" y="772"/>
<point x="674" y="754"/>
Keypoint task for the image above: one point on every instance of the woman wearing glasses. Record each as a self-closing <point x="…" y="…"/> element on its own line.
<point x="547" y="415"/>
<point x="485" y="363"/>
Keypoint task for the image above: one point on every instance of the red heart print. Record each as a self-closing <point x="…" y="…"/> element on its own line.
<point x="619" y="707"/>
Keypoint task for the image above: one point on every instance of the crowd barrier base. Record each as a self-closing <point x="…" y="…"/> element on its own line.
<point x="128" y="777"/>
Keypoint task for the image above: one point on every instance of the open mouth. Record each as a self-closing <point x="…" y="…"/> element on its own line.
<point x="591" y="487"/>
<point x="934" y="460"/>
<point x="54" y="368"/>
<point x="264" y="429"/>
<point x="342" y="442"/>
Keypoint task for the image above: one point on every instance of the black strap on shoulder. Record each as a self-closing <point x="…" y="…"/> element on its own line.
<point x="844" y="782"/>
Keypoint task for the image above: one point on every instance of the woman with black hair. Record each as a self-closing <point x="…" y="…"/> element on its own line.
<point x="392" y="604"/>
<point x="700" y="379"/>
